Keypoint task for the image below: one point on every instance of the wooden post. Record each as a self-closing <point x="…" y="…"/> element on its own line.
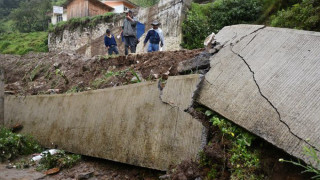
<point x="1" y="97"/>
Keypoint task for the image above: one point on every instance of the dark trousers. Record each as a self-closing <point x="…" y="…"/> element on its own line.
<point x="130" y="41"/>
<point x="112" y="49"/>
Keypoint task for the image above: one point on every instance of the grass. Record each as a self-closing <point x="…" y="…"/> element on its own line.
<point x="313" y="166"/>
<point x="22" y="43"/>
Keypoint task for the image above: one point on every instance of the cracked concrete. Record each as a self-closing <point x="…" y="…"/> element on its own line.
<point x="128" y="124"/>
<point x="265" y="80"/>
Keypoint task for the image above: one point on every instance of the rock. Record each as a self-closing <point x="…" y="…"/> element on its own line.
<point x="199" y="62"/>
<point x="267" y="80"/>
<point x="209" y="41"/>
<point x="53" y="91"/>
<point x="166" y="176"/>
<point x="86" y="175"/>
<point x="57" y="65"/>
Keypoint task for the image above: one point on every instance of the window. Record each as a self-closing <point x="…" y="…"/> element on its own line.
<point x="125" y="8"/>
<point x="59" y="18"/>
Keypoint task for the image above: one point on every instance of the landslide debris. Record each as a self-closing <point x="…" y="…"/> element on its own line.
<point x="47" y="73"/>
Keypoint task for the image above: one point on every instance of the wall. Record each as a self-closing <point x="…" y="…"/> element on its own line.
<point x="134" y="124"/>
<point x="79" y="40"/>
<point x="78" y="8"/>
<point x="97" y="8"/>
<point x="169" y="12"/>
<point x="267" y="80"/>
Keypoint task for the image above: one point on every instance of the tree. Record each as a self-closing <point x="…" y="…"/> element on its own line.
<point x="31" y="15"/>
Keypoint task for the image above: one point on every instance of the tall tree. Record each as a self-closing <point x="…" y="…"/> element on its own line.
<point x="31" y="15"/>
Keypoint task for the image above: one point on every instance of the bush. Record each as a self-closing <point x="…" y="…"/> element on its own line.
<point x="205" y="19"/>
<point x="83" y="22"/>
<point x="305" y="15"/>
<point x="12" y="145"/>
<point x="60" y="160"/>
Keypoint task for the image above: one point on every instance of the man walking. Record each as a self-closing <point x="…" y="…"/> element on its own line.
<point x="154" y="36"/>
<point x="110" y="43"/>
<point x="130" y="32"/>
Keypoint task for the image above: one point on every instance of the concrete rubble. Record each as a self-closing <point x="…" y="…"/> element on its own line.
<point x="267" y="80"/>
<point x="129" y="124"/>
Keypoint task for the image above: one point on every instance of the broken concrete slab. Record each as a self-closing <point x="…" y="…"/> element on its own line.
<point x="267" y="81"/>
<point x="1" y="97"/>
<point x="128" y="124"/>
<point x="183" y="96"/>
<point x="201" y="61"/>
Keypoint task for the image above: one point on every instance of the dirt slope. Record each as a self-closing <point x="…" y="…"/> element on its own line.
<point x="37" y="73"/>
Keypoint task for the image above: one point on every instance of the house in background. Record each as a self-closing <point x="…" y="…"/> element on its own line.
<point x="83" y="8"/>
<point x="58" y="16"/>
<point x="120" y="5"/>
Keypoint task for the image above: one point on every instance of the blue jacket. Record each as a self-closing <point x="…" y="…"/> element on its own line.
<point x="110" y="41"/>
<point x="153" y="36"/>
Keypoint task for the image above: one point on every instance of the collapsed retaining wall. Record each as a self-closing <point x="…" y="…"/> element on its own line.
<point x="267" y="81"/>
<point x="136" y="124"/>
<point x="90" y="42"/>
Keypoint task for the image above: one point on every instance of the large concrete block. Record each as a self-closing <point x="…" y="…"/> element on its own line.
<point x="128" y="124"/>
<point x="267" y="81"/>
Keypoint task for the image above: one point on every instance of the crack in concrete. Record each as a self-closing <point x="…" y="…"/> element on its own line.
<point x="259" y="89"/>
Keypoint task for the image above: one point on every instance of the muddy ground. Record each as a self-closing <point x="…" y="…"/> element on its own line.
<point x="49" y="73"/>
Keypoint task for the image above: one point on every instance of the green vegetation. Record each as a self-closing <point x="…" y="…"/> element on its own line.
<point x="145" y="3"/>
<point x="84" y="22"/>
<point x="202" y="20"/>
<point x="309" y="168"/>
<point x="305" y="15"/>
<point x="22" y="43"/>
<point x="60" y="160"/>
<point x="12" y="145"/>
<point x="244" y="160"/>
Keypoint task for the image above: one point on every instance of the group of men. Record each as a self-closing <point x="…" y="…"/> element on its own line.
<point x="129" y="33"/>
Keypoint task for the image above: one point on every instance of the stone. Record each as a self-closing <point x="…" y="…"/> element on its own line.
<point x="267" y="80"/>
<point x="201" y="61"/>
<point x="129" y="124"/>
<point x="86" y="175"/>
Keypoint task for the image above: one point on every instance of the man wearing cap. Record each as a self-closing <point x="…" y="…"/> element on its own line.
<point x="110" y="43"/>
<point x="130" y="32"/>
<point x="154" y="36"/>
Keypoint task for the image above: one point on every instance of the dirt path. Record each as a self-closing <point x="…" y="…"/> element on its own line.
<point x="87" y="168"/>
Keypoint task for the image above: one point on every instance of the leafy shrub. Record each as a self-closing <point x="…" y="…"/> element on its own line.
<point x="196" y="27"/>
<point x="60" y="160"/>
<point x="84" y="22"/>
<point x="205" y="19"/>
<point x="245" y="162"/>
<point x="305" y="15"/>
<point x="12" y="145"/>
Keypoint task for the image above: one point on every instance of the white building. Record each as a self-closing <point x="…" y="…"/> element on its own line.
<point x="120" y="5"/>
